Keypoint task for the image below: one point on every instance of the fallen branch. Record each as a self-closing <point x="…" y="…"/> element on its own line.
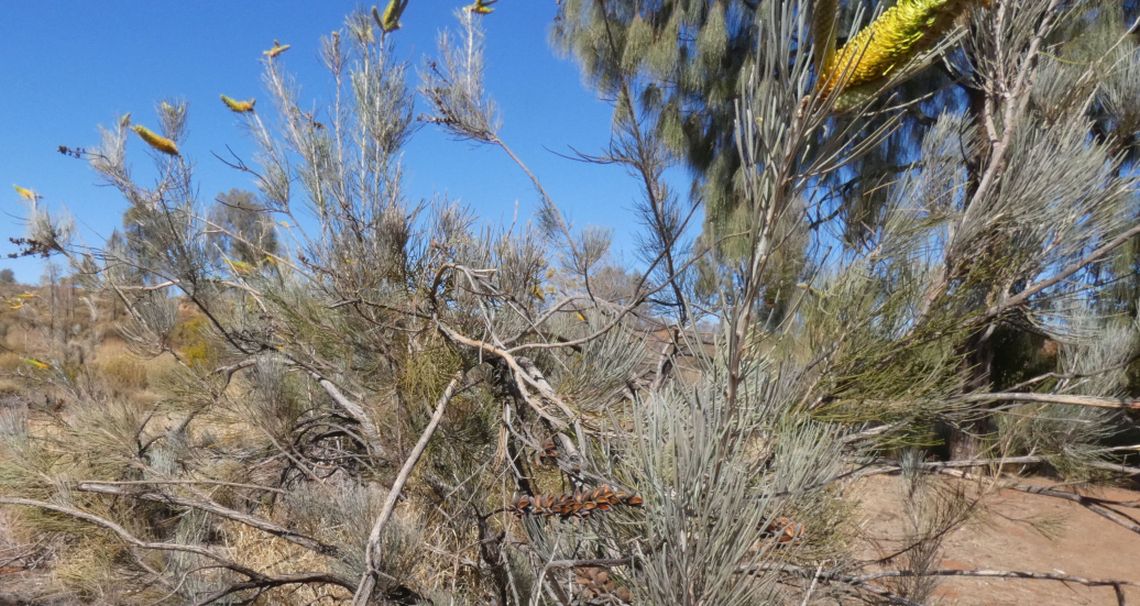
<point x="1001" y="574"/>
<point x="278" y="581"/>
<point x="129" y="538"/>
<point x="816" y="575"/>
<point x="209" y="506"/>
<point x="1000" y="462"/>
<point x="1116" y="584"/>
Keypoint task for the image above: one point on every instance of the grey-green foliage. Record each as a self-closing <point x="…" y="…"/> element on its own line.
<point x="1094" y="364"/>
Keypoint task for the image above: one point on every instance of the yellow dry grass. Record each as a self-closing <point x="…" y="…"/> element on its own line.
<point x="273" y="556"/>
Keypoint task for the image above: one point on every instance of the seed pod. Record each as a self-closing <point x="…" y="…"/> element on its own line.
<point x="580" y="504"/>
<point x="156" y="140"/>
<point x="783" y="529"/>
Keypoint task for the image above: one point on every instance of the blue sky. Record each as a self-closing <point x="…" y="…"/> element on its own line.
<point x="69" y="67"/>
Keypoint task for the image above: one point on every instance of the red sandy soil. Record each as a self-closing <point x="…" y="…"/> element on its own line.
<point x="1000" y="537"/>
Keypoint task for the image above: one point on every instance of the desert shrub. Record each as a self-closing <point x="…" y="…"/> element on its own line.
<point x="192" y="338"/>
<point x="381" y="400"/>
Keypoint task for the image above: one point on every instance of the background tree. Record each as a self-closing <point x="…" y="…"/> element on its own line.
<point x="244" y="232"/>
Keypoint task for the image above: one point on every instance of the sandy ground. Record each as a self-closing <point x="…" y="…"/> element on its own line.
<point x="1002" y="536"/>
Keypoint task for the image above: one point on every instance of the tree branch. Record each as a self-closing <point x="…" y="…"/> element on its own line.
<point x="372" y="554"/>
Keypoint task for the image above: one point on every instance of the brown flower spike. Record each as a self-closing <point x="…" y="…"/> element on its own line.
<point x="578" y="505"/>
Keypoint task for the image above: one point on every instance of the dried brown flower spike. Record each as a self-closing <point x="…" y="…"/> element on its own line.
<point x="579" y="505"/>
<point x="783" y="529"/>
<point x="596" y="586"/>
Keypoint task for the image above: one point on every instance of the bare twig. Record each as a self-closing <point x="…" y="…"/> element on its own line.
<point x="372" y="554"/>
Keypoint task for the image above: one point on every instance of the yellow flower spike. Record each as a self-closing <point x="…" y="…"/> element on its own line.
<point x="37" y="364"/>
<point x="236" y="106"/>
<point x="390" y="20"/>
<point x="277" y="49"/>
<point x="482" y="7"/>
<point x="26" y="193"/>
<point x="890" y="42"/>
<point x="581" y="317"/>
<point x="156" y="140"/>
<point x="537" y="292"/>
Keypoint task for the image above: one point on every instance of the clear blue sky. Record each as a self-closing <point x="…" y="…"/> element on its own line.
<point x="70" y="66"/>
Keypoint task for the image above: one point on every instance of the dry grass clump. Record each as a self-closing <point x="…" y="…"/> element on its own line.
<point x="277" y="556"/>
<point x="10" y="361"/>
<point x="125" y="375"/>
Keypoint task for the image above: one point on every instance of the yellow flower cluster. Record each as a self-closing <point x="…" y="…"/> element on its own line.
<point x="26" y="193"/>
<point x="890" y="42"/>
<point x="481" y="7"/>
<point x="390" y="20"/>
<point x="156" y="140"/>
<point x="277" y="49"/>
<point x="240" y="107"/>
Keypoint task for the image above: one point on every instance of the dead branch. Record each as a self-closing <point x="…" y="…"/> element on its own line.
<point x="833" y="577"/>
<point x="130" y="538"/>
<point x="1093" y="504"/>
<point x="1116" y="584"/>
<point x="1050" y="398"/>
<point x="278" y="581"/>
<point x="209" y="506"/>
<point x="372" y="572"/>
<point x="356" y="411"/>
